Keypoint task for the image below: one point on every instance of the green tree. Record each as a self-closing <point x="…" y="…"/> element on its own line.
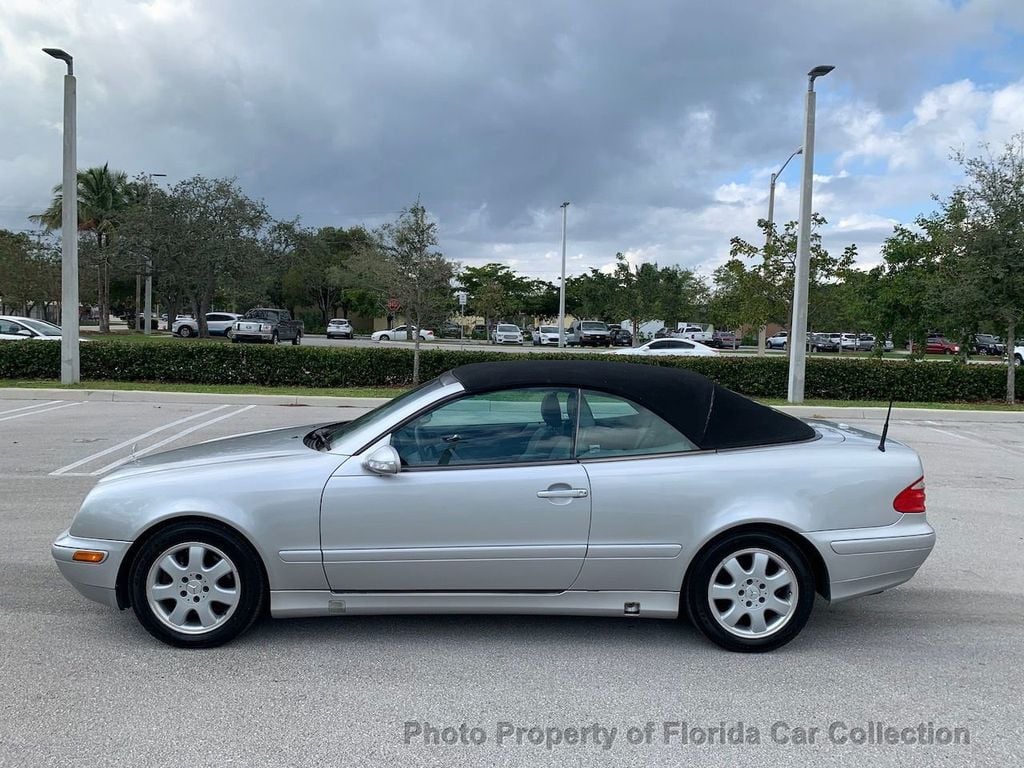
<point x="989" y="258"/>
<point x="410" y="269"/>
<point x="103" y="195"/>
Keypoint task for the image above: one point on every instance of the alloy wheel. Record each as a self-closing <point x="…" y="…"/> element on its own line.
<point x="193" y="588"/>
<point x="753" y="593"/>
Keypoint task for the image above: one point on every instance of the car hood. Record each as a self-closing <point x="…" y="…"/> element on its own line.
<point x="249" y="447"/>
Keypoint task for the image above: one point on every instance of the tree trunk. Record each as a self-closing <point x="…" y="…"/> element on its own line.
<point x="1011" y="369"/>
<point x="762" y="337"/>
<point x="105" y="285"/>
<point x="416" y="353"/>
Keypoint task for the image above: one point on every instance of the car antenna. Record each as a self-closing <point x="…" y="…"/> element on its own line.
<point x="885" y="427"/>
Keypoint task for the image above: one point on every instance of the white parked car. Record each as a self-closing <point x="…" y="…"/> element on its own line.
<point x="14" y="328"/>
<point x="1018" y="355"/>
<point x="217" y="323"/>
<point x="546" y="335"/>
<point x="506" y="333"/>
<point x="339" y="328"/>
<point x="402" y="333"/>
<point x="778" y="341"/>
<point x="679" y="347"/>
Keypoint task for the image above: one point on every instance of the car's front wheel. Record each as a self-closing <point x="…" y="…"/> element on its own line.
<point x="196" y="585"/>
<point x="750" y="592"/>
<point x="184" y="331"/>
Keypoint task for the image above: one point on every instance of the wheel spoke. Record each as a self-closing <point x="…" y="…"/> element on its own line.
<point x="757" y="622"/>
<point x="195" y="558"/>
<point x="760" y="567"/>
<point x="171" y="567"/>
<point x="781" y="607"/>
<point x="207" y="618"/>
<point x="165" y="591"/>
<point x="733" y="568"/>
<point x="781" y="579"/>
<point x="177" y="616"/>
<point x="733" y="615"/>
<point x="723" y="592"/>
<point x="219" y="570"/>
<point x="221" y="595"/>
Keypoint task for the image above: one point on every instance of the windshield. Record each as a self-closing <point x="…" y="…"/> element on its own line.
<point x="41" y="326"/>
<point x="507" y="329"/>
<point x="594" y="326"/>
<point x="548" y="329"/>
<point x="333" y="432"/>
<point x="262" y="314"/>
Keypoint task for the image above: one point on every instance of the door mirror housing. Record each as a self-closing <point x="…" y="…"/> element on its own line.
<point x="383" y="461"/>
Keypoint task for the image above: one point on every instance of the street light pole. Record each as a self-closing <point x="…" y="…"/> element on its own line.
<point x="561" y="291"/>
<point x="798" y="328"/>
<point x="69" y="360"/>
<point x="771" y="231"/>
<point x="148" y="314"/>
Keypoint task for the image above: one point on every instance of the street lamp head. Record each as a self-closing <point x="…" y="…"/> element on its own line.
<point x="564" y="205"/>
<point x="64" y="56"/>
<point x="820" y="71"/>
<point x="799" y="151"/>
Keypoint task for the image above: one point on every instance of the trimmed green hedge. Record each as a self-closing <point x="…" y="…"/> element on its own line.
<point x="204" y="363"/>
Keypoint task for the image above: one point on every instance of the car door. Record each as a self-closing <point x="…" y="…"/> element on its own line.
<point x="650" y="489"/>
<point x="489" y="498"/>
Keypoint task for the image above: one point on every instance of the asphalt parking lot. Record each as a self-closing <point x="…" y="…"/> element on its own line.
<point x="81" y="684"/>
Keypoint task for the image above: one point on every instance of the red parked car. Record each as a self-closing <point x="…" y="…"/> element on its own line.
<point x="940" y="345"/>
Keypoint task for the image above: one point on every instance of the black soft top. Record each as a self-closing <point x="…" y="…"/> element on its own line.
<point x="708" y="414"/>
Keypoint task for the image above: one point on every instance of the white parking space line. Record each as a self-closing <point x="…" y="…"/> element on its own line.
<point x="27" y="407"/>
<point x="166" y="440"/>
<point x="39" y="410"/>
<point x="132" y="440"/>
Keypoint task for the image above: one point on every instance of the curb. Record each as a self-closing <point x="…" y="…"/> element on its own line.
<point x="328" y="401"/>
<point x="148" y="396"/>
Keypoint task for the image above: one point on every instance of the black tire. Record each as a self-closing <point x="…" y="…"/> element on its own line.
<point x="385" y="337"/>
<point x="1018" y="360"/>
<point x="704" y="570"/>
<point x="297" y="340"/>
<point x="185" y="331"/>
<point x="247" y="579"/>
<point x="275" y="339"/>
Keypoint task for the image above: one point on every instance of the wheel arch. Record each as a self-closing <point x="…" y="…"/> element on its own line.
<point x="121" y="587"/>
<point x="818" y="568"/>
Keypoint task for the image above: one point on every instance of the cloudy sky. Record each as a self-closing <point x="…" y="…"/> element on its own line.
<point x="661" y="121"/>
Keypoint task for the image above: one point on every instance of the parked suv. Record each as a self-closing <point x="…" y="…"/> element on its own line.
<point x="506" y="333"/>
<point x="217" y="323"/>
<point x="339" y="328"/>
<point x="588" y="333"/>
<point x="779" y="340"/>
<point x="724" y="339"/>
<point x="987" y="344"/>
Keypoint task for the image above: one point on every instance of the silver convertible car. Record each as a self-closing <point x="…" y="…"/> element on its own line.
<point x="532" y="487"/>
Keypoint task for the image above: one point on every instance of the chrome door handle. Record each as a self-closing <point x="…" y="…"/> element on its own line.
<point x="568" y="493"/>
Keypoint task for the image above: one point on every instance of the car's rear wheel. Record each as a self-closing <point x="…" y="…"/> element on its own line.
<point x="196" y="585"/>
<point x="751" y="592"/>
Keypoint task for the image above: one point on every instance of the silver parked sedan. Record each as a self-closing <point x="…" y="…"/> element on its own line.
<point x="544" y="487"/>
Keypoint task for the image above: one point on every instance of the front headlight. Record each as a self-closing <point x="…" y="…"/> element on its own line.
<point x="266" y="327"/>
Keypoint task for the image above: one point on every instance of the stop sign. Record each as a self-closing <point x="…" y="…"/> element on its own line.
<point x="393" y="304"/>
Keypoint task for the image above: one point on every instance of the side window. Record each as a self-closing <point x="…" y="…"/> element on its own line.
<point x="614" y="426"/>
<point x="510" y="426"/>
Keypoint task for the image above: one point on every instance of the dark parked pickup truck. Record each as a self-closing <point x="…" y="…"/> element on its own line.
<point x="267" y="325"/>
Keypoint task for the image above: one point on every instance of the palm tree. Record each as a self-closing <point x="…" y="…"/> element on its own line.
<point x="102" y="195"/>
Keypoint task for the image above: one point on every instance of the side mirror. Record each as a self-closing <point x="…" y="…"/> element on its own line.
<point x="384" y="461"/>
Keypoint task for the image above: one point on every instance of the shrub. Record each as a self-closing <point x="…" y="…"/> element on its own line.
<point x="199" y="362"/>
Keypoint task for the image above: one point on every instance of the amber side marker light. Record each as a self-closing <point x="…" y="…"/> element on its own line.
<point x="89" y="556"/>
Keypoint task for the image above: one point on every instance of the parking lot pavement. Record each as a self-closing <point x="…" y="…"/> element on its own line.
<point x="81" y="684"/>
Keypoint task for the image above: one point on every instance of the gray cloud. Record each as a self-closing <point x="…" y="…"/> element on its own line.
<point x="492" y="112"/>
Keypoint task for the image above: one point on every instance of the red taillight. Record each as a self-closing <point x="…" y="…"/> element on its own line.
<point x="911" y="498"/>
